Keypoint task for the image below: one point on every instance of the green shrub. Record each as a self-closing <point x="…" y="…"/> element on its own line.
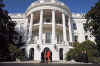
<point x="17" y="51"/>
<point x="76" y="44"/>
<point x="89" y="46"/>
<point x="94" y="59"/>
<point x="73" y="54"/>
<point x="20" y="55"/>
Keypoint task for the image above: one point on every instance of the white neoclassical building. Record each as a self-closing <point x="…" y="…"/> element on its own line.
<point x="49" y="24"/>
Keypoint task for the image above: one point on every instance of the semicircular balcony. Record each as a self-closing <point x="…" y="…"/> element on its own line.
<point x="47" y="19"/>
<point x="47" y="25"/>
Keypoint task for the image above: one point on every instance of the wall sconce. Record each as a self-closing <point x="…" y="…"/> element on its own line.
<point x="55" y="46"/>
<point x="38" y="46"/>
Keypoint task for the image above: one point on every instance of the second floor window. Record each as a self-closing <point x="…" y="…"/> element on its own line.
<point x="76" y="38"/>
<point x="74" y="26"/>
<point x="85" y="28"/>
<point x="48" y="37"/>
<point x="86" y="37"/>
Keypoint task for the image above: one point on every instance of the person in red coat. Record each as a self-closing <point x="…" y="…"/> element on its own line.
<point x="48" y="56"/>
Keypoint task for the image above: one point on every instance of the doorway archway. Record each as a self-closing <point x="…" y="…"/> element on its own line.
<point x="46" y="49"/>
<point x="61" y="53"/>
<point x="31" y="54"/>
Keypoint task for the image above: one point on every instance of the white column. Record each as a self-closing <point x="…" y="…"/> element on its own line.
<point x="41" y="27"/>
<point x="53" y="27"/>
<point x="27" y="50"/>
<point x="64" y="29"/>
<point x="30" y="28"/>
<point x="26" y="29"/>
<point x="70" y="28"/>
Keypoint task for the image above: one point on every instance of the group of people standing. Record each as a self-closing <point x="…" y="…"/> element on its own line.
<point x="84" y="56"/>
<point x="46" y="56"/>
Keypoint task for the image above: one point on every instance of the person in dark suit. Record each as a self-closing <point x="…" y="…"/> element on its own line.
<point x="84" y="56"/>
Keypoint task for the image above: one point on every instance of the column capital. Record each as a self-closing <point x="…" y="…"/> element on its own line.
<point x="53" y="9"/>
<point x="32" y="13"/>
<point x="63" y="12"/>
<point x="41" y="11"/>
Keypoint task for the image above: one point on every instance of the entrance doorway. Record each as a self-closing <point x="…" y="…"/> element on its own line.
<point x="31" y="54"/>
<point x="61" y="53"/>
<point x="44" y="53"/>
<point x="23" y="54"/>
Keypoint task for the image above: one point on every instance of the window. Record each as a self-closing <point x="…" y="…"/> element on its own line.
<point x="76" y="38"/>
<point x="59" y="38"/>
<point x="86" y="37"/>
<point x="58" y="17"/>
<point x="47" y="17"/>
<point x="29" y="17"/>
<point x="48" y="37"/>
<point x="84" y="26"/>
<point x="35" y="36"/>
<point x="66" y="17"/>
<point x="36" y="32"/>
<point x="36" y="17"/>
<point x="74" y="26"/>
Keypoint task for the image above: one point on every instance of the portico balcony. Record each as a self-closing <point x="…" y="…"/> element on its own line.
<point x="49" y="24"/>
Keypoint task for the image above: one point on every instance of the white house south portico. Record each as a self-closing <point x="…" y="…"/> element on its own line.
<point x="48" y="27"/>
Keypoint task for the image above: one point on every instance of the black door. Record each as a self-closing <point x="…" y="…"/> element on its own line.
<point x="61" y="53"/>
<point x="23" y="52"/>
<point x="31" y="54"/>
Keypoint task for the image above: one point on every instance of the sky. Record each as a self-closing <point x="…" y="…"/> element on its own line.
<point x="75" y="6"/>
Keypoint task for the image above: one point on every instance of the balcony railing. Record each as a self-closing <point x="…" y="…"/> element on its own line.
<point x="46" y="22"/>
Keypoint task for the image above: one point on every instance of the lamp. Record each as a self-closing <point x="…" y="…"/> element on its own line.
<point x="38" y="46"/>
<point x="55" y="46"/>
